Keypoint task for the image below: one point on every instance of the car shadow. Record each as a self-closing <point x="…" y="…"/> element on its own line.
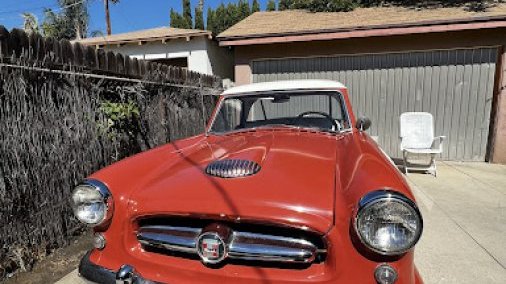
<point x="399" y="163"/>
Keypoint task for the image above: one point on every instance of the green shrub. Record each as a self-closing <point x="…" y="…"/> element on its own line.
<point x="121" y="117"/>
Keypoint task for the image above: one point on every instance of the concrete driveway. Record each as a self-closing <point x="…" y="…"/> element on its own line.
<point x="464" y="210"/>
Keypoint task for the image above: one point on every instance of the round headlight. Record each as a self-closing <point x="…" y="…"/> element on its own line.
<point x="388" y="223"/>
<point x="92" y="203"/>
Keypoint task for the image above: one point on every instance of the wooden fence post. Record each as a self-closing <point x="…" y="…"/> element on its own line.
<point x="111" y="61"/>
<point x="67" y="52"/>
<point x="102" y="59"/>
<point x="120" y="63"/>
<point x="78" y="54"/>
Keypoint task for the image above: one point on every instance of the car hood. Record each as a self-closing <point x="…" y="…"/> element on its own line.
<point x="295" y="186"/>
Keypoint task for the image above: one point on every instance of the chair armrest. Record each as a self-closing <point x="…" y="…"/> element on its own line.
<point x="440" y="138"/>
<point x="437" y="143"/>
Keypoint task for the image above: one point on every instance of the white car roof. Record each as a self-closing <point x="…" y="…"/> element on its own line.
<point x="285" y="86"/>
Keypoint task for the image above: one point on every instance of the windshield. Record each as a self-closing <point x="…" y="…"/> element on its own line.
<point x="324" y="111"/>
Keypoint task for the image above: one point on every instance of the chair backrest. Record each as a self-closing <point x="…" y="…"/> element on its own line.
<point x="417" y="130"/>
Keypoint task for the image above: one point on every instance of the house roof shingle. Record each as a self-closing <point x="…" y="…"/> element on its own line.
<point x="154" y="34"/>
<point x="299" y="21"/>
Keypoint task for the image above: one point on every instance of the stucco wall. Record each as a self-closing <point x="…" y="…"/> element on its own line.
<point x="203" y="56"/>
<point x="222" y="60"/>
<point x="244" y="55"/>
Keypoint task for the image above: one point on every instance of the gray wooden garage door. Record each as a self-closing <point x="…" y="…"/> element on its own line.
<point x="456" y="86"/>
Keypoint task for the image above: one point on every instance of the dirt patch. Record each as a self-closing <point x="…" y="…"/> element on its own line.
<point x="61" y="262"/>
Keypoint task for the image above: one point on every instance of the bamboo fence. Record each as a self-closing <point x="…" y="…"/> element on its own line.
<point x="66" y="111"/>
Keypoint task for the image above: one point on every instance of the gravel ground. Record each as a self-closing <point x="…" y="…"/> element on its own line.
<point x="57" y="265"/>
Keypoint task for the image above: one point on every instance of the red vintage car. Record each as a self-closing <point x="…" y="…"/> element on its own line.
<point x="284" y="186"/>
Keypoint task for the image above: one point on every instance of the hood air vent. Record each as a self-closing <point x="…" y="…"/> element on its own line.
<point x="232" y="168"/>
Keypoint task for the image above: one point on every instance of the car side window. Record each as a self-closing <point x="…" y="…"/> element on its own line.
<point x="229" y="116"/>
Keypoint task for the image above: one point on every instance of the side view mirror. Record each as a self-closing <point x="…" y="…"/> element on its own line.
<point x="363" y="123"/>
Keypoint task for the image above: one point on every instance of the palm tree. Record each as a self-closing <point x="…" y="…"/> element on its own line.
<point x="107" y="16"/>
<point x="71" y="22"/>
<point x="30" y="23"/>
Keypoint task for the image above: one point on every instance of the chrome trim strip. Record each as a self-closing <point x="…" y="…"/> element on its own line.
<point x="260" y="247"/>
<point x="270" y="238"/>
<point x="180" y="239"/>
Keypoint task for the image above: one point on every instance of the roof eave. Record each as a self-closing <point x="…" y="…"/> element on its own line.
<point x="152" y="39"/>
<point x="358" y="32"/>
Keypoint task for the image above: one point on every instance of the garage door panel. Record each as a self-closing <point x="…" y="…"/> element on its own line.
<point x="459" y="124"/>
<point x="456" y="86"/>
<point x="392" y="107"/>
<point x="383" y="102"/>
<point x="441" y="94"/>
<point x="482" y="122"/>
<point x="428" y="78"/>
<point x="472" y="116"/>
<point x="471" y="98"/>
<point x="397" y="91"/>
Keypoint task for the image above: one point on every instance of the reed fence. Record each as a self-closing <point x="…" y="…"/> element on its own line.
<point x="66" y="111"/>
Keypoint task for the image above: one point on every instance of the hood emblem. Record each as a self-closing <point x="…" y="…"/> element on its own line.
<point x="232" y="168"/>
<point x="211" y="243"/>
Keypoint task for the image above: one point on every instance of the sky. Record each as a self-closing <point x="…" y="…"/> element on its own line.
<point x="128" y="15"/>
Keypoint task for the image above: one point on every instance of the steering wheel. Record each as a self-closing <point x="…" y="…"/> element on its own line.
<point x="335" y="125"/>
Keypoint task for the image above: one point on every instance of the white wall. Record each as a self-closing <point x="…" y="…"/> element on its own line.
<point x="203" y="57"/>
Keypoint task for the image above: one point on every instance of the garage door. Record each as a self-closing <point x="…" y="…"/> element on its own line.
<point x="456" y="86"/>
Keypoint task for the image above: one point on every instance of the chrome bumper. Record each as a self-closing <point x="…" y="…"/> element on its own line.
<point x="98" y="274"/>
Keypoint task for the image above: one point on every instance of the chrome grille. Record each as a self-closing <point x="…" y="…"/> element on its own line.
<point x="242" y="246"/>
<point x="232" y="168"/>
<point x="179" y="239"/>
<point x="250" y="246"/>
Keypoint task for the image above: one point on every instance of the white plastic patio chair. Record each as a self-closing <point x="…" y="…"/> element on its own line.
<point x="417" y="138"/>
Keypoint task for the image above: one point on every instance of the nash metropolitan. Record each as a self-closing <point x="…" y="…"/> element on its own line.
<point x="284" y="186"/>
